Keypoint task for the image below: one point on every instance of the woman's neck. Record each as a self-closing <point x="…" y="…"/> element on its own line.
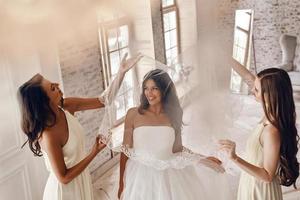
<point x="55" y="109"/>
<point x="156" y="109"/>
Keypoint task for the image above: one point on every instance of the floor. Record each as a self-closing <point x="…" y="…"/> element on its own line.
<point x="248" y="115"/>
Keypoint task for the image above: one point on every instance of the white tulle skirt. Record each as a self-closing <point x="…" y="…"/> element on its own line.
<point x="144" y="182"/>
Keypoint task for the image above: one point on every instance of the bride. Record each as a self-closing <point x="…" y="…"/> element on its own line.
<point x="154" y="164"/>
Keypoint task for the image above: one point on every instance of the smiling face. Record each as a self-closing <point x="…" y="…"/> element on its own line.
<point x="256" y="90"/>
<point x="152" y="92"/>
<point x="53" y="91"/>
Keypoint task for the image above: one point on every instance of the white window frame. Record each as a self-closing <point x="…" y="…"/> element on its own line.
<point x="235" y="78"/>
<point x="166" y="10"/>
<point x="105" y="54"/>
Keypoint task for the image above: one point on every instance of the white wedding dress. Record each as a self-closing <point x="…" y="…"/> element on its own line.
<point x="156" y="173"/>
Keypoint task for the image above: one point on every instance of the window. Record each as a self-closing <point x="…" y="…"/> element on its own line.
<point x="166" y="3"/>
<point x="171" y="30"/>
<point x="114" y="43"/>
<point x="241" y="45"/>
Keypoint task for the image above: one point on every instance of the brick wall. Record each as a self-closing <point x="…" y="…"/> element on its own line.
<point x="158" y="32"/>
<point x="81" y="72"/>
<point x="271" y="19"/>
<point x="80" y="62"/>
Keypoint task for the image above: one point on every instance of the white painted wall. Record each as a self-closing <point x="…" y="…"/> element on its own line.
<point x="22" y="175"/>
<point x="188" y="23"/>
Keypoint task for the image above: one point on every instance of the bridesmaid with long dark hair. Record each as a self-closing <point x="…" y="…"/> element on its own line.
<point x="272" y="148"/>
<point x="54" y="133"/>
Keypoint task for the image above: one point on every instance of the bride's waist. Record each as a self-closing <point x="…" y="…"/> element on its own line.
<point x="152" y="155"/>
<point x="163" y="161"/>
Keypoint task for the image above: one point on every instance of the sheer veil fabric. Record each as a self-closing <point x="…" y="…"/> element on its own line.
<point x="208" y="107"/>
<point x="202" y="79"/>
<point x="209" y="111"/>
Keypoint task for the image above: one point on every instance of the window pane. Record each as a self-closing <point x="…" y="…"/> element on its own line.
<point x="171" y="54"/>
<point x="168" y="57"/>
<point x="241" y="51"/>
<point x="168" y="53"/>
<point x="234" y="53"/>
<point x="112" y="39"/>
<point x="127" y="83"/>
<point x="166" y="22"/>
<point x="123" y="36"/>
<point x="240" y="45"/>
<point x="174" y="53"/>
<point x="167" y="40"/>
<point x="120" y="104"/>
<point x="114" y="62"/>
<point x="128" y="80"/>
<point x="173" y="38"/>
<point x="169" y="21"/>
<point x="123" y="51"/>
<point x="242" y="19"/>
<point x="239" y="54"/>
<point x="129" y="99"/>
<point x="240" y="38"/>
<point x="167" y="2"/>
<point x="118" y="45"/>
<point x="172" y="19"/>
<point x="236" y="81"/>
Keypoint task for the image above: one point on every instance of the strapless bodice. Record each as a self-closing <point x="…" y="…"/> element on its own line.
<point x="156" y="141"/>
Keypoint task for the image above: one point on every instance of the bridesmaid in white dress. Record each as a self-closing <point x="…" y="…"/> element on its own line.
<point x="53" y="132"/>
<point x="157" y="171"/>
<point x="271" y="149"/>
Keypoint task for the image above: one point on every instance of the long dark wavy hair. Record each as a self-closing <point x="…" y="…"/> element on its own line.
<point x="279" y="108"/>
<point x="169" y="98"/>
<point x="36" y="113"/>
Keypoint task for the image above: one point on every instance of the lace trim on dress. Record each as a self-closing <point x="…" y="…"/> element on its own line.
<point x="179" y="160"/>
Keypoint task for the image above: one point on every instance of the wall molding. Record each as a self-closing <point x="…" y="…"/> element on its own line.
<point x="15" y="129"/>
<point x="20" y="171"/>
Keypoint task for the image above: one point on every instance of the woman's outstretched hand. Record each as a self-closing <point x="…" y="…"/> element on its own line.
<point x="228" y="146"/>
<point x="214" y="159"/>
<point x="127" y="64"/>
<point x="213" y="163"/>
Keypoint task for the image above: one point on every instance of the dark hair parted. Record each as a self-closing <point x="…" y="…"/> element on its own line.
<point x="36" y="113"/>
<point x="169" y="98"/>
<point x="279" y="108"/>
